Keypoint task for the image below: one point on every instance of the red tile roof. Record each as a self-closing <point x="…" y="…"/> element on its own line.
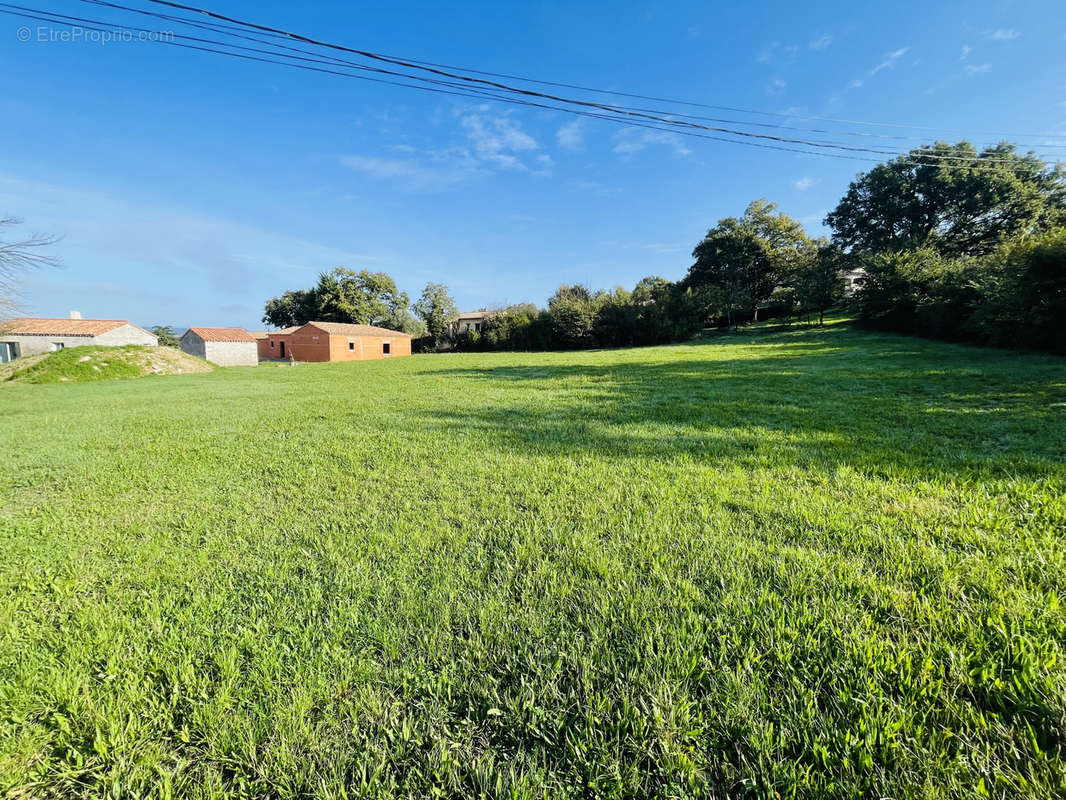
<point x="268" y="334"/>
<point x="40" y="326"/>
<point x="223" y="334"/>
<point x="344" y="329"/>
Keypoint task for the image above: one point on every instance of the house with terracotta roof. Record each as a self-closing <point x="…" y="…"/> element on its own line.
<point x="335" y="341"/>
<point x="227" y="347"/>
<point x="28" y="335"/>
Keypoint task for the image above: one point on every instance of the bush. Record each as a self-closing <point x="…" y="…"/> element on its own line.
<point x="1014" y="297"/>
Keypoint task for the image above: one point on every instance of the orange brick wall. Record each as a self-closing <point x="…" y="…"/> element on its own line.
<point x="266" y="351"/>
<point x="317" y="345"/>
<point x="366" y="347"/>
<point x="309" y="345"/>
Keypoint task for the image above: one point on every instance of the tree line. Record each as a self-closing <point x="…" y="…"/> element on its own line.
<point x="947" y="242"/>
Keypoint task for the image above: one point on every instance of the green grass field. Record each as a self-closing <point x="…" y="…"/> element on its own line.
<point x="819" y="563"/>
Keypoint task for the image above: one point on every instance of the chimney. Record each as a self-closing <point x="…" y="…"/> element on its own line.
<point x="75" y="315"/>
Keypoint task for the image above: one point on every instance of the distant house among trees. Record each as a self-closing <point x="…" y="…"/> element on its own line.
<point x="227" y="347"/>
<point x="333" y="341"/>
<point x="472" y="321"/>
<point x="28" y="335"/>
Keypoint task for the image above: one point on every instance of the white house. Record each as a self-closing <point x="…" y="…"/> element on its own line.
<point x="471" y="321"/>
<point x="227" y="347"/>
<point x="29" y="335"/>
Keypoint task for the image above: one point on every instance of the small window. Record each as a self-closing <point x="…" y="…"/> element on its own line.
<point x="351" y="345"/>
<point x="56" y="346"/>
<point x="271" y="344"/>
<point x="385" y="348"/>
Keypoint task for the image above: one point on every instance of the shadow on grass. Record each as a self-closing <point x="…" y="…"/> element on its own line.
<point x="883" y="405"/>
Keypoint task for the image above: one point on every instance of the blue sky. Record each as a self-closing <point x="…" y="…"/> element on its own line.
<point x="189" y="187"/>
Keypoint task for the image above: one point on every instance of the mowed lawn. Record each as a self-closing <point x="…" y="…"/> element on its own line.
<point x="818" y="563"/>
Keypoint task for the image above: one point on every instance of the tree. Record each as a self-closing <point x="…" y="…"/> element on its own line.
<point x="1022" y="294"/>
<point x="740" y="261"/>
<point x="166" y="336"/>
<point x="437" y="310"/>
<point x="343" y="295"/>
<point x="404" y="321"/>
<point x="817" y="280"/>
<point x="615" y="323"/>
<point x="950" y="198"/>
<point x="518" y="327"/>
<point x="362" y="298"/>
<point x="292" y="308"/>
<point x="17" y="257"/>
<point x="573" y="315"/>
<point x="649" y="290"/>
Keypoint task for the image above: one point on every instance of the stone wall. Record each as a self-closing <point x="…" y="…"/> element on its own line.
<point x="232" y="354"/>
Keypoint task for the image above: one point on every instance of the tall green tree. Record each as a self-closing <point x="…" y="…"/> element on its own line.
<point x="342" y="295"/>
<point x="294" y="307"/>
<point x="740" y="261"/>
<point x="437" y="310"/>
<point x="404" y="321"/>
<point x="363" y="298"/>
<point x="573" y="314"/>
<point x="950" y="198"/>
<point x="817" y="279"/>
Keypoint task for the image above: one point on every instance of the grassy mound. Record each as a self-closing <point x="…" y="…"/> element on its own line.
<point x="103" y="363"/>
<point x="805" y="564"/>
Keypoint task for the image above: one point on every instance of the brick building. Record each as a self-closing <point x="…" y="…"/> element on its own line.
<point x="333" y="341"/>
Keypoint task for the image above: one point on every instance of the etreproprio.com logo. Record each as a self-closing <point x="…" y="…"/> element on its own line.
<point x="77" y="35"/>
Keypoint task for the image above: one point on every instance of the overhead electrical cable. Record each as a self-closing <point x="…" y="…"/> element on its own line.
<point x="444" y="84"/>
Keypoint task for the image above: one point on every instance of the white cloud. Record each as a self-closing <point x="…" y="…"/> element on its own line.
<point x="1003" y="34"/>
<point x="804" y="183"/>
<point x="976" y="69"/>
<point x="494" y="142"/>
<point x="966" y="50"/>
<point x="381" y="167"/>
<point x="571" y="136"/>
<point x="663" y="248"/>
<point x="497" y="139"/>
<point x="630" y="141"/>
<point x="776" y="85"/>
<point x="434" y="171"/>
<point x="821" y="42"/>
<point x="767" y="54"/>
<point x="854" y="84"/>
<point x="890" y="60"/>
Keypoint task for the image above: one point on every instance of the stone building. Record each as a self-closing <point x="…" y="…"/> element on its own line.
<point x="227" y="347"/>
<point x="29" y="335"/>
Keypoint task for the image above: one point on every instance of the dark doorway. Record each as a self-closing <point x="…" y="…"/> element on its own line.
<point x="283" y="349"/>
<point x="385" y="348"/>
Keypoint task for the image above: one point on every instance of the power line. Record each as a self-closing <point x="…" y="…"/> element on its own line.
<point x="647" y="114"/>
<point x="431" y="66"/>
<point x="598" y="111"/>
<point x="231" y="30"/>
<point x="469" y="94"/>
